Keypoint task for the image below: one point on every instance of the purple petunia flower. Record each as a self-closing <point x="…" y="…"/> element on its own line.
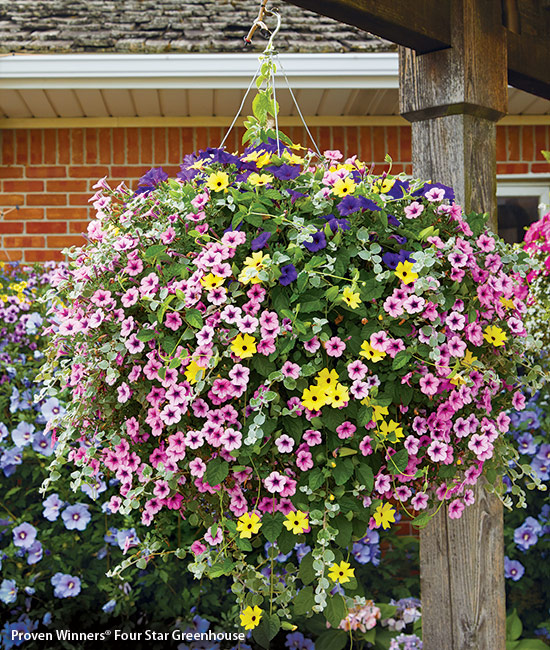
<point x="527" y="534"/>
<point x="22" y="434"/>
<point x="151" y="179"/>
<point x="288" y="274"/>
<point x="319" y="242"/>
<point x="24" y="535"/>
<point x="76" y="517"/>
<point x="52" y="506"/>
<point x="513" y="569"/>
<point x="348" y="205"/>
<point x="51" y="407"/>
<point x="43" y="444"/>
<point x="260" y="241"/>
<point x="65" y="585"/>
<point x="284" y="172"/>
<point x="35" y="553"/>
<point x="541" y="468"/>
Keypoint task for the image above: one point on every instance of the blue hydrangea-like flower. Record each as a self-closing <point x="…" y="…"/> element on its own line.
<point x="42" y="443"/>
<point x="52" y="506"/>
<point x="24" y="535"/>
<point x="51" y="408"/>
<point x="8" y="591"/>
<point x="22" y="434"/>
<point x="109" y="606"/>
<point x="527" y="534"/>
<point x="76" y="517"/>
<point x="513" y="569"/>
<point x="65" y="585"/>
<point x="35" y="553"/>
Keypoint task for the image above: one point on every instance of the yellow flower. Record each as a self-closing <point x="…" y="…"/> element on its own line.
<point x="383" y="185"/>
<point x="387" y="428"/>
<point x="405" y="273"/>
<point x="252" y="266"/>
<point x="244" y="346"/>
<point x="198" y="164"/>
<point x="259" y="180"/>
<point x="263" y="160"/>
<point x="370" y="353"/>
<point x="248" y="524"/>
<point x="341" y="572"/>
<point x="343" y="187"/>
<point x="507" y="302"/>
<point x="350" y="298"/>
<point x="468" y="359"/>
<point x="211" y="281"/>
<point x="191" y="372"/>
<point x="251" y="617"/>
<point x="338" y="396"/>
<point x="327" y="378"/>
<point x="3" y="298"/>
<point x="384" y="515"/>
<point x="495" y="335"/>
<point x="296" y="522"/>
<point x="217" y="181"/>
<point x="314" y="398"/>
<point x="292" y="158"/>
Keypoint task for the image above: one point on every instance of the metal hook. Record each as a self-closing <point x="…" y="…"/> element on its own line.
<point x="257" y="23"/>
<point x="269" y="47"/>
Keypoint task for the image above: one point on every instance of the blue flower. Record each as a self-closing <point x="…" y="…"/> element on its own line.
<point x="76" y="517"/>
<point x="127" y="538"/>
<point x="338" y="224"/>
<point x="288" y="274"/>
<point x="22" y="434"/>
<point x="513" y="569"/>
<point x="150" y="180"/>
<point x="111" y="536"/>
<point x="284" y="172"/>
<point x="51" y="407"/>
<point x="301" y="551"/>
<point x="42" y="443"/>
<point x="527" y="534"/>
<point x="319" y="242"/>
<point x="47" y="619"/>
<point x="65" y="585"/>
<point x="348" y="205"/>
<point x="260" y="241"/>
<point x="297" y="641"/>
<point x="4" y="433"/>
<point x="8" y="591"/>
<point x="35" y="553"/>
<point x="32" y="323"/>
<point x="526" y="444"/>
<point x="24" y="535"/>
<point x="449" y="192"/>
<point x="544" y="452"/>
<point x="52" y="506"/>
<point x="398" y="189"/>
<point x="541" y="467"/>
<point x="10" y="459"/>
<point x="109" y="606"/>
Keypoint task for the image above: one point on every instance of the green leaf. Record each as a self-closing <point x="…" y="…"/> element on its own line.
<point x="401" y="359"/>
<point x="154" y="251"/>
<point x="261" y="106"/>
<point x="514" y="627"/>
<point x="146" y="335"/>
<point x="336" y="610"/>
<point x="421" y="520"/>
<point x="272" y="525"/>
<point x="216" y="471"/>
<point x="304" y="601"/>
<point x="343" y="470"/>
<point x="331" y="294"/>
<point x="530" y="644"/>
<point x="266" y="630"/>
<point x="286" y="541"/>
<point x="546" y="155"/>
<point x="397" y="464"/>
<point x="365" y="475"/>
<point x="194" y="318"/>
<point x="364" y="416"/>
<point x="315" y="478"/>
<point x="332" y="640"/>
<point x="345" y="529"/>
<point x="306" y="572"/>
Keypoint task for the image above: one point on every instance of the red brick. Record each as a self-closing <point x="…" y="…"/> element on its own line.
<point x="8" y="147"/>
<point x="159" y="140"/>
<point x="67" y="213"/>
<point x="24" y="213"/>
<point x="324" y="139"/>
<point x="62" y="241"/>
<point x="46" y="172"/>
<point x="501" y="143"/>
<point x="146" y="146"/>
<point x="11" y="172"/>
<point x="171" y="170"/>
<point x="78" y="199"/>
<point x="174" y="141"/>
<point x="201" y="138"/>
<point x="104" y="136"/>
<point x="540" y="168"/>
<point x="63" y="146"/>
<point x="77" y="146"/>
<point x="50" y="146"/>
<point x="352" y="141"/>
<point x="512" y="138"/>
<point x="91" y="146"/>
<point x="86" y="171"/>
<point x="11" y="199"/>
<point x="23" y="242"/>
<point x="43" y="256"/>
<point x="23" y="186"/>
<point x="47" y="199"/>
<point x="405" y="149"/>
<point x="119" y="147"/>
<point x="541" y="141"/>
<point x="187" y="140"/>
<point x="11" y="256"/>
<point x="46" y="227"/>
<point x="36" y="146"/>
<point x="11" y="228"/>
<point x="132" y="146"/>
<point x="338" y="138"/>
<point x="379" y="147"/>
<point x="365" y="143"/>
<point x="409" y="169"/>
<point x="527" y="143"/>
<point x="78" y="227"/>
<point x="512" y="168"/>
<point x="392" y="142"/>
<point x="22" y="146"/>
<point x="68" y="185"/>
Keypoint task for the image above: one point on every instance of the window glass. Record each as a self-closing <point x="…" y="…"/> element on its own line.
<point x="515" y="214"/>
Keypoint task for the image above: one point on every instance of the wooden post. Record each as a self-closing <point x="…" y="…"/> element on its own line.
<point x="453" y="98"/>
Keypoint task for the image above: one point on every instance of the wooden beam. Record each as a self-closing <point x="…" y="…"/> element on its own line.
<point x="529" y="63"/>
<point x="422" y="25"/>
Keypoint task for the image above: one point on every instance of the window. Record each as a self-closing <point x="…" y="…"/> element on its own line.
<point x="520" y="202"/>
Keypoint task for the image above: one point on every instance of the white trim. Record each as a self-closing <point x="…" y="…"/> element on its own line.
<point x="526" y="185"/>
<point x="48" y="71"/>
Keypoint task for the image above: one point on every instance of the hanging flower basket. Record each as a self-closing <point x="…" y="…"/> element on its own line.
<point x="288" y="349"/>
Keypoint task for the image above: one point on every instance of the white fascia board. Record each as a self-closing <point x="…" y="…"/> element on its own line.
<point x="326" y="70"/>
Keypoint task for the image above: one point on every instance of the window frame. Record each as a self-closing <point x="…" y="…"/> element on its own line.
<point x="526" y="185"/>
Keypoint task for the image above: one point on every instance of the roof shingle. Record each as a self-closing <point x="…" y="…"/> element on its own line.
<point x="167" y="26"/>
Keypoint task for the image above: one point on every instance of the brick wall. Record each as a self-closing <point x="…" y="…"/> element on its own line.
<point x="46" y="175"/>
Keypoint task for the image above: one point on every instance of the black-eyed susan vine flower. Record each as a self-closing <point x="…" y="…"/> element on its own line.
<point x="341" y="572"/>
<point x="248" y="524"/>
<point x="296" y="522"/>
<point x="251" y="617"/>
